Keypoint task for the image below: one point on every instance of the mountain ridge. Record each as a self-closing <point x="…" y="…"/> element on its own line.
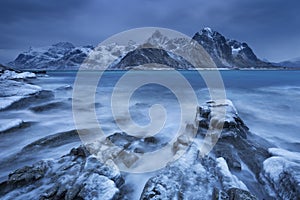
<point x="226" y="53"/>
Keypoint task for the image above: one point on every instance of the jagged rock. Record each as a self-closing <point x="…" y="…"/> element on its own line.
<point x="238" y="194"/>
<point x="194" y="177"/>
<point x="226" y="52"/>
<point x="62" y="55"/>
<point x="77" y="175"/>
<point x="158" y="48"/>
<point x="135" y="144"/>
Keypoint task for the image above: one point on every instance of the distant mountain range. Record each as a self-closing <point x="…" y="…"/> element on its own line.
<point x="293" y="63"/>
<point x="226" y="53"/>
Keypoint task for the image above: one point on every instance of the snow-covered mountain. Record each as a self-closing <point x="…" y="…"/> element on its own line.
<point x="62" y="55"/>
<point x="224" y="52"/>
<point x="227" y="52"/>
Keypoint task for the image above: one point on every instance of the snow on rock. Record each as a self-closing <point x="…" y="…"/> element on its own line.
<point x="6" y="125"/>
<point x="186" y="178"/>
<point x="8" y="74"/>
<point x="282" y="171"/>
<point x="77" y="175"/>
<point x="228" y="179"/>
<point x="62" y="55"/>
<point x="14" y="91"/>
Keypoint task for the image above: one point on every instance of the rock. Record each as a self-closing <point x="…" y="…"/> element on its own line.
<point x="77" y="175"/>
<point x="226" y="52"/>
<point x="151" y="55"/>
<point x="62" y="55"/>
<point x="211" y="177"/>
<point x="15" y="94"/>
<point x="238" y="194"/>
<point x="135" y="144"/>
<point x="8" y="125"/>
<point x="47" y="106"/>
<point x="282" y="173"/>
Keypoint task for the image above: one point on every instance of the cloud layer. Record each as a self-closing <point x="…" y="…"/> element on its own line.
<point x="271" y="27"/>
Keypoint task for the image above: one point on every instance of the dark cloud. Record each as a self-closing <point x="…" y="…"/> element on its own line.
<point x="271" y="27"/>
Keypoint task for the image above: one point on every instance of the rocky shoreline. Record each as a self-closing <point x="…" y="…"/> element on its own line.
<point x="241" y="166"/>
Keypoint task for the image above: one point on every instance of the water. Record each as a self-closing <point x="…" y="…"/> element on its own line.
<point x="268" y="102"/>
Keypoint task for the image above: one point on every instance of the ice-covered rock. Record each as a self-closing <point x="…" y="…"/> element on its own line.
<point x="77" y="175"/>
<point x="13" y="91"/>
<point x="8" y="124"/>
<point x="220" y="173"/>
<point x="16" y="94"/>
<point x="9" y="74"/>
<point x="282" y="172"/>
<point x="227" y="178"/>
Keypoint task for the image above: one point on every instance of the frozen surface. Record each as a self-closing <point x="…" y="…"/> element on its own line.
<point x="8" y="74"/>
<point x="282" y="170"/>
<point x="6" y="125"/>
<point x="228" y="179"/>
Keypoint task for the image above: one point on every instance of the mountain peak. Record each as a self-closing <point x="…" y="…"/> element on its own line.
<point x="66" y="45"/>
<point x="227" y="52"/>
<point x="209" y="32"/>
<point x="157" y="38"/>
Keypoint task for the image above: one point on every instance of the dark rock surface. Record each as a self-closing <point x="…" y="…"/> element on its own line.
<point x="226" y="52"/>
<point x="143" y="56"/>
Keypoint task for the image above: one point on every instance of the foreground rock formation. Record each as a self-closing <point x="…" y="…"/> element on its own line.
<point x="240" y="166"/>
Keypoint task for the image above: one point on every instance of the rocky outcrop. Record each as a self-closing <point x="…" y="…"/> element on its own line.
<point x="220" y="174"/>
<point x="77" y="175"/>
<point x="17" y="94"/>
<point x="241" y="166"/>
<point x="282" y="172"/>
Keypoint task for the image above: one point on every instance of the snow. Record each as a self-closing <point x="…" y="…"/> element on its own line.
<point x="228" y="179"/>
<point x="274" y="166"/>
<point x="282" y="170"/>
<point x="291" y="156"/>
<point x="14" y="75"/>
<point x="96" y="183"/>
<point x="9" y="124"/>
<point x="236" y="50"/>
<point x="13" y="91"/>
<point x="280" y="161"/>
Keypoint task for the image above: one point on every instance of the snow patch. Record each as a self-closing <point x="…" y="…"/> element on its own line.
<point x="228" y="179"/>
<point x="14" y="75"/>
<point x="9" y="124"/>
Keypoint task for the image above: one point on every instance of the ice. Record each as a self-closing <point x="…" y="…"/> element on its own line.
<point x="8" y="74"/>
<point x="76" y="175"/>
<point x="282" y="171"/>
<point x="228" y="179"/>
<point x="9" y="124"/>
<point x="12" y="91"/>
<point x="291" y="156"/>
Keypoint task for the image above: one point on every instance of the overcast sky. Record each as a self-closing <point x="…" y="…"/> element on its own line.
<point x="270" y="27"/>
